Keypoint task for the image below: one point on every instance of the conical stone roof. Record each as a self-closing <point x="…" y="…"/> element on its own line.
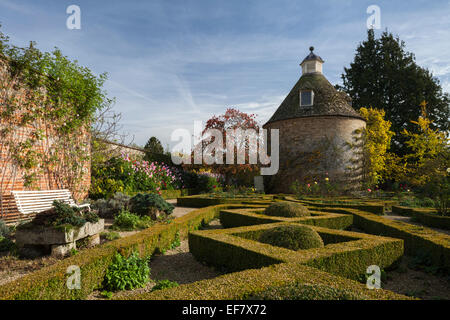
<point x="327" y="100"/>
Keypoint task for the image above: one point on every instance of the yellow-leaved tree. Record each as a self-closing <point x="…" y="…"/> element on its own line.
<point x="429" y="157"/>
<point x="376" y="139"/>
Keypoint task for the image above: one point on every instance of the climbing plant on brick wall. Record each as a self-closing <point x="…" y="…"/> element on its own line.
<point x="47" y="106"/>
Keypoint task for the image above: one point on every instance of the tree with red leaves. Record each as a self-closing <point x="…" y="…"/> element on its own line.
<point x="232" y="119"/>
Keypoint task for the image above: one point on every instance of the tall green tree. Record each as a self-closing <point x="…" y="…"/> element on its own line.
<point x="153" y="145"/>
<point x="154" y="151"/>
<point x="385" y="76"/>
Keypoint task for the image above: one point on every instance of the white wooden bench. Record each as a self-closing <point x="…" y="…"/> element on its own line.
<point x="37" y="201"/>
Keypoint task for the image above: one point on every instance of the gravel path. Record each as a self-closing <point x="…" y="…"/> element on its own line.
<point x="392" y="216"/>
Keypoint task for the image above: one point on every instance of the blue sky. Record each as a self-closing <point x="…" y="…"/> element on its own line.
<point x="173" y="62"/>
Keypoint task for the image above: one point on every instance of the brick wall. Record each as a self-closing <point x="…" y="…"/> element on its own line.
<point x="300" y="138"/>
<point x="12" y="177"/>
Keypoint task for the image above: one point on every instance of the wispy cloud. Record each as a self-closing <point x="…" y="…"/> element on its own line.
<point x="171" y="63"/>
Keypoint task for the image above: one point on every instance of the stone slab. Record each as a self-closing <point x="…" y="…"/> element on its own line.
<point x="51" y="236"/>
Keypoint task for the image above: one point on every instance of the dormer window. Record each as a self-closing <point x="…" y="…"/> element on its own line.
<point x="306" y="98"/>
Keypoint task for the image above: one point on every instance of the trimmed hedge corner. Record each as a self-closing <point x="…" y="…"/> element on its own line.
<point x="417" y="239"/>
<point x="231" y="218"/>
<point x="248" y="283"/>
<point x="345" y="253"/>
<point x="200" y="201"/>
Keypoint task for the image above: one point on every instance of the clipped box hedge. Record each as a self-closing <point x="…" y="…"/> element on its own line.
<point x="373" y="208"/>
<point x="200" y="201"/>
<point x="245" y="284"/>
<point x="50" y="282"/>
<point x="346" y="253"/>
<point x="427" y="217"/>
<point x="402" y="211"/>
<point x="231" y="218"/>
<point x="169" y="194"/>
<point x="417" y="239"/>
<point x="431" y="220"/>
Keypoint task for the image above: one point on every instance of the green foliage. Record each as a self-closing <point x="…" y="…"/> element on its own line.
<point x="301" y="291"/>
<point x="200" y="182"/>
<point x="108" y="208"/>
<point x="415" y="202"/>
<point x="59" y="92"/>
<point x="66" y="214"/>
<point x="287" y="209"/>
<point x="319" y="186"/>
<point x="153" y="145"/>
<point x="6" y="244"/>
<point x="62" y="214"/>
<point x="422" y="260"/>
<point x="176" y="242"/>
<point x="126" y="175"/>
<point x="292" y="237"/>
<point x="384" y="76"/>
<point x="206" y="184"/>
<point x="164" y="284"/>
<point x="280" y="281"/>
<point x="148" y="204"/>
<point x="247" y="217"/>
<point x="110" y="236"/>
<point x="107" y="294"/>
<point x="50" y="283"/>
<point x="127" y="221"/>
<point x="429" y="159"/>
<point x="154" y="152"/>
<point x="376" y="139"/>
<point x="127" y="273"/>
<point x="4" y="229"/>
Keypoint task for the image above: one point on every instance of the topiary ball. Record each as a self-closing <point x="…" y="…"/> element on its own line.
<point x="287" y="209"/>
<point x="292" y="237"/>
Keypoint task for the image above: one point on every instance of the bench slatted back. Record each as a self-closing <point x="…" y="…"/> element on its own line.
<point x="37" y="201"/>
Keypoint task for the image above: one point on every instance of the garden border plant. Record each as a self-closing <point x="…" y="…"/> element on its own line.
<point x="50" y="282"/>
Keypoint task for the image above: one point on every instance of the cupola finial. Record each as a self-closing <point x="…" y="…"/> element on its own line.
<point x="311" y="48"/>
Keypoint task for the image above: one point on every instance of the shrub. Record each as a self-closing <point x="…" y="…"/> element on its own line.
<point x="123" y="174"/>
<point x="127" y="273"/>
<point x="62" y="214"/>
<point x="287" y="209"/>
<point x="200" y="183"/>
<point x="150" y="204"/>
<point x="112" y="235"/>
<point x="6" y="244"/>
<point x="108" y="208"/>
<point x="418" y="202"/>
<point x="164" y="284"/>
<point x="4" y="230"/>
<point x="292" y="237"/>
<point x="128" y="221"/>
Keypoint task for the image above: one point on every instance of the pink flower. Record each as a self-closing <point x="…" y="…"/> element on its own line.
<point x="370" y="190"/>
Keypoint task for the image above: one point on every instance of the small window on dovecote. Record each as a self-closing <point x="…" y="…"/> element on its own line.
<point x="306" y="98"/>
